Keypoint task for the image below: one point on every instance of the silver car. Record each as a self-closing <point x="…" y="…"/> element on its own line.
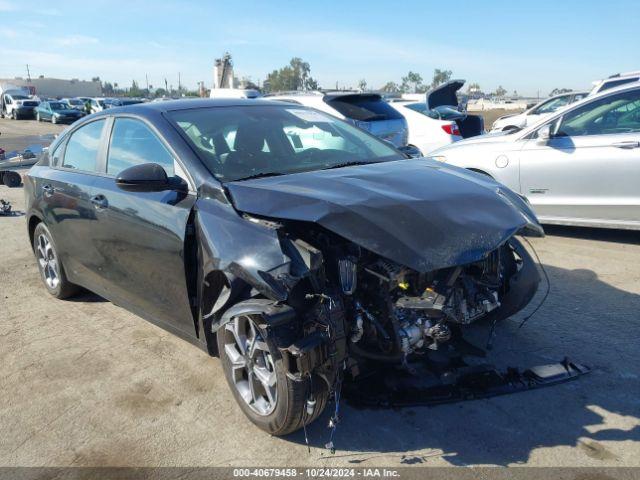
<point x="580" y="166"/>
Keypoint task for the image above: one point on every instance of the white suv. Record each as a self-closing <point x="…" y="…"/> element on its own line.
<point x="367" y="111"/>
<point x="614" y="81"/>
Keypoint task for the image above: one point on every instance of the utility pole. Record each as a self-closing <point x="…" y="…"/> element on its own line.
<point x="166" y="88"/>
<point x="28" y="74"/>
<point x="179" y="84"/>
<point x="146" y="77"/>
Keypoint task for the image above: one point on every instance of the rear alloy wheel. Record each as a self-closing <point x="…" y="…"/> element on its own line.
<point x="51" y="270"/>
<point x="255" y="372"/>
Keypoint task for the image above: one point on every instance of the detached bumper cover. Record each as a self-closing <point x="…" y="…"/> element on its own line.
<point x="395" y="389"/>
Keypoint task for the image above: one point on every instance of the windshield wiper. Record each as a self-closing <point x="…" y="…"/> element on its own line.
<point x="348" y="164"/>
<point x="258" y="175"/>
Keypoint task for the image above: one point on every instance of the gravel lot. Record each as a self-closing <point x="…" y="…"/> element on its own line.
<point x="85" y="383"/>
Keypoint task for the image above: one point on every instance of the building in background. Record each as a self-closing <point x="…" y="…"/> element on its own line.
<point x="57" y="87"/>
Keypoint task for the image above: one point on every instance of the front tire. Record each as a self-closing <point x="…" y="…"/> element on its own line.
<point x="255" y="373"/>
<point x="50" y="266"/>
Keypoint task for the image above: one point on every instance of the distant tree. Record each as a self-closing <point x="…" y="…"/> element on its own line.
<point x="160" y="92"/>
<point x="362" y="84"/>
<point x="440" y="77"/>
<point x="312" y="84"/>
<point x="134" y="91"/>
<point x="473" y="87"/>
<point x="295" y="76"/>
<point x="107" y="89"/>
<point x="391" y="87"/>
<point x="500" y="91"/>
<point x="558" y="91"/>
<point x="411" y="83"/>
<point x="95" y="79"/>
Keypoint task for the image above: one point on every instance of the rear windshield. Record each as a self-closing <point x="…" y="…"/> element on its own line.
<point x="364" y="108"/>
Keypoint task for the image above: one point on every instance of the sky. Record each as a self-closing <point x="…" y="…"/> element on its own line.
<point x="531" y="47"/>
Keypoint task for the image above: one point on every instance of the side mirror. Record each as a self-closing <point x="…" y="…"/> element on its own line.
<point x="147" y="177"/>
<point x="544" y="133"/>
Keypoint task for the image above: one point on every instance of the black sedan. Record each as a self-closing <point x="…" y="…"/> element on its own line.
<point x="298" y="248"/>
<point x="57" y="112"/>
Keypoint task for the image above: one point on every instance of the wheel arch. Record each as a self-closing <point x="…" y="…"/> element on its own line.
<point x="32" y="223"/>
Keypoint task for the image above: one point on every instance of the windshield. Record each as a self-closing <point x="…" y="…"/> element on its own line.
<point x="239" y="142"/>
<point x="74" y="102"/>
<point x="57" y="106"/>
<point x="19" y="97"/>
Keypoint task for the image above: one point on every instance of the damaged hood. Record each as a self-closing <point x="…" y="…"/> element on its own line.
<point x="419" y="213"/>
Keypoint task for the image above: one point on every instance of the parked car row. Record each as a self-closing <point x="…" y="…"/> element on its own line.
<point x="18" y="103"/>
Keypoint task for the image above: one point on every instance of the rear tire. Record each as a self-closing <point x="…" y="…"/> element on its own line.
<point x="279" y="408"/>
<point x="11" y="179"/>
<point x="50" y="266"/>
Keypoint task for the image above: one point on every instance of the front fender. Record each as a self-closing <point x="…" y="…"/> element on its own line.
<point x="272" y="314"/>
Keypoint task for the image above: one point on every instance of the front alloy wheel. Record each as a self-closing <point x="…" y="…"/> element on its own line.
<point x="253" y="368"/>
<point x="255" y="372"/>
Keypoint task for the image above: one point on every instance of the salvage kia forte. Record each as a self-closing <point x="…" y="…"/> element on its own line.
<point x="298" y="248"/>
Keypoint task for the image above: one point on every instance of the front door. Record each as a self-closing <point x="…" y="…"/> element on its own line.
<point x="589" y="171"/>
<point x="140" y="236"/>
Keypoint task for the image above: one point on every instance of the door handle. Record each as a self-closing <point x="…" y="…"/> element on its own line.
<point x="100" y="201"/>
<point x="627" y="145"/>
<point x="48" y="190"/>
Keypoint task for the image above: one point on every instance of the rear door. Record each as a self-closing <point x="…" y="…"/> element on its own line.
<point x="589" y="171"/>
<point x="65" y="193"/>
<point x="140" y="236"/>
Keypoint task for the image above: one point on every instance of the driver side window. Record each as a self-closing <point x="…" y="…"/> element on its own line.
<point x="610" y="115"/>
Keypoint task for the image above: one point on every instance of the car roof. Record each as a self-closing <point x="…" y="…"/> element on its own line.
<point x="188" y="104"/>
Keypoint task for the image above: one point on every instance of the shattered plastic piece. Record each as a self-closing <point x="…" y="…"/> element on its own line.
<point x="391" y="388"/>
<point x="5" y="208"/>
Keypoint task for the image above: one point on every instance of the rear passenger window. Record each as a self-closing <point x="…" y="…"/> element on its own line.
<point x="133" y="143"/>
<point x="81" y="152"/>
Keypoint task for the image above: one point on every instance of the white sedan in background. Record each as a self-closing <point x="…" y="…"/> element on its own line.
<point x="517" y="121"/>
<point x="580" y="166"/>
<point x="426" y="133"/>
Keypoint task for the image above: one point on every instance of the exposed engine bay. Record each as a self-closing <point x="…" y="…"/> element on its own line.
<point x="389" y="311"/>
